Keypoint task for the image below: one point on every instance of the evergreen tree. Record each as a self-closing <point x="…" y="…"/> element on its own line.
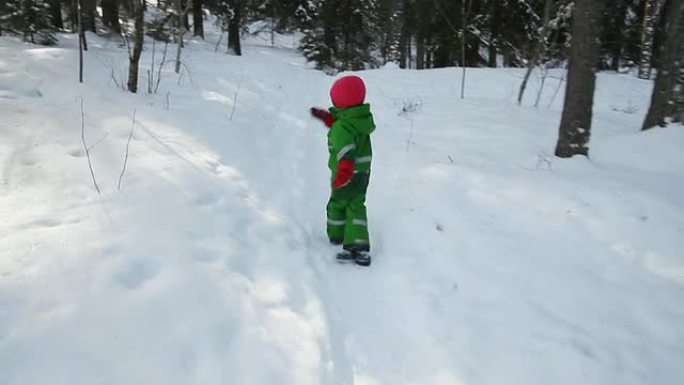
<point x="111" y="14"/>
<point x="314" y="43"/>
<point x="31" y="18"/>
<point x="56" y="14"/>
<point x="339" y="35"/>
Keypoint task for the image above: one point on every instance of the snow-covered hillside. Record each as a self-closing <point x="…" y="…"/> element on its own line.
<point x="494" y="262"/>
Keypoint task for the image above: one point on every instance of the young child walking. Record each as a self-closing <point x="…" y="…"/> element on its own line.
<point x="351" y="123"/>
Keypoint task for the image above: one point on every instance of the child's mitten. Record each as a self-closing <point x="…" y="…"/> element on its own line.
<point x="323" y="115"/>
<point x="345" y="172"/>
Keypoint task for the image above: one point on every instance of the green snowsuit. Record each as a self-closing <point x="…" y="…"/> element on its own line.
<point x="349" y="138"/>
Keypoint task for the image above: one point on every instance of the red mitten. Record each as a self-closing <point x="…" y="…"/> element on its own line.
<point x="323" y="115"/>
<point x="345" y="172"/>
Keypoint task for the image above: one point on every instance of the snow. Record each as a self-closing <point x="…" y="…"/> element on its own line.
<point x="494" y="262"/>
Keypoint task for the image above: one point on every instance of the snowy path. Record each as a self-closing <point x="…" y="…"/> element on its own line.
<point x="494" y="263"/>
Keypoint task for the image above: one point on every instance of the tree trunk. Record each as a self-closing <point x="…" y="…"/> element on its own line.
<point x="197" y="18"/>
<point x="88" y="15"/>
<point x="56" y="14"/>
<point x="420" y="53"/>
<point x="81" y="39"/>
<point x="670" y="64"/>
<point x="575" y="127"/>
<point x="134" y="58"/>
<point x="234" y="27"/>
<point x="647" y="33"/>
<point x="184" y="15"/>
<point x="405" y="35"/>
<point x="494" y="26"/>
<point x="619" y="38"/>
<point x="179" y="36"/>
<point x="110" y="15"/>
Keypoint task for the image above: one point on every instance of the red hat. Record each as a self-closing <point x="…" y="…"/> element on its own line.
<point x="348" y="91"/>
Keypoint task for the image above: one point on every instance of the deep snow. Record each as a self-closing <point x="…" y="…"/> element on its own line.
<point x="494" y="262"/>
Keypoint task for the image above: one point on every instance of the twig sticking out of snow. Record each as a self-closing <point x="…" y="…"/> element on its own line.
<point x="128" y="143"/>
<point x="235" y="98"/>
<point x="85" y="147"/>
<point x="555" y="93"/>
<point x="218" y="43"/>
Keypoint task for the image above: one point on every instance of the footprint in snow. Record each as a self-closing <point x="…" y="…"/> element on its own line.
<point x="136" y="273"/>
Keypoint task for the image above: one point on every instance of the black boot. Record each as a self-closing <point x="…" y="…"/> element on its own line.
<point x="356" y="254"/>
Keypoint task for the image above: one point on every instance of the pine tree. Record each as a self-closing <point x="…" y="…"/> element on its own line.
<point x="31" y="18"/>
<point x="339" y="35"/>
<point x="314" y="45"/>
<point x="56" y="14"/>
<point x="110" y="15"/>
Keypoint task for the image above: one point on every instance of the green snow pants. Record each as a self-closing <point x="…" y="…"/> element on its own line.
<point x="347" y="220"/>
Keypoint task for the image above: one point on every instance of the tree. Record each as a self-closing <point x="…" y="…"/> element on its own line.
<point x="575" y="127"/>
<point x="182" y="13"/>
<point x="110" y="15"/>
<point x="651" y="8"/>
<point x="31" y="18"/>
<point x="229" y="19"/>
<point x="235" y="27"/>
<point x="89" y="15"/>
<point x="339" y="35"/>
<point x="136" y="7"/>
<point x="56" y="14"/>
<point x="197" y="18"/>
<point x="616" y="31"/>
<point x="667" y="90"/>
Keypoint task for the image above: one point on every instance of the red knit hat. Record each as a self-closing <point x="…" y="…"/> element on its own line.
<point x="348" y="91"/>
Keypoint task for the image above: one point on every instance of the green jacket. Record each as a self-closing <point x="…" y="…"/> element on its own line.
<point x="349" y="138"/>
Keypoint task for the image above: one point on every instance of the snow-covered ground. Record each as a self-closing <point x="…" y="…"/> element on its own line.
<point x="494" y="262"/>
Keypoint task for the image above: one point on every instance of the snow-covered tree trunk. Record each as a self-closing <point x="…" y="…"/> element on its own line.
<point x="647" y="34"/>
<point x="664" y="100"/>
<point x="575" y="127"/>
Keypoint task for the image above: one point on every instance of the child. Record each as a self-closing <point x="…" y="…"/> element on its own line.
<point x="351" y="124"/>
